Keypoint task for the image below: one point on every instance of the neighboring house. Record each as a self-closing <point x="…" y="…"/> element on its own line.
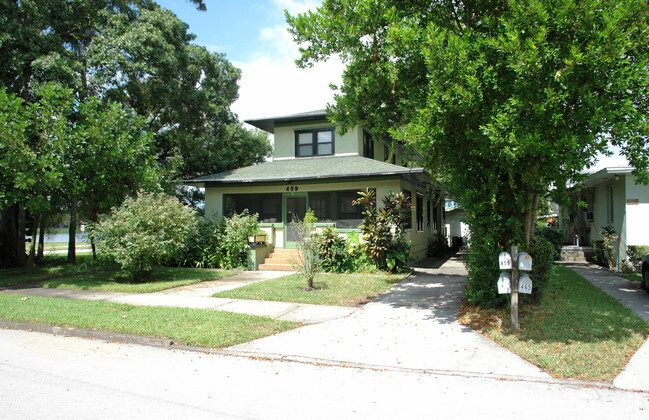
<point x="458" y="230"/>
<point x="315" y="167"/>
<point x="608" y="197"/>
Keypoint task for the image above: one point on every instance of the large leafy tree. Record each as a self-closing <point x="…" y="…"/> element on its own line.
<point x="505" y="99"/>
<point x="133" y="53"/>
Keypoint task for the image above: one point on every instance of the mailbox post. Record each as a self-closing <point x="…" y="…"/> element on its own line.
<point x="514" y="288"/>
<point x="514" y="262"/>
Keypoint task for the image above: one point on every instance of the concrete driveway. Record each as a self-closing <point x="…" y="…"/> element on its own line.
<point x="412" y="326"/>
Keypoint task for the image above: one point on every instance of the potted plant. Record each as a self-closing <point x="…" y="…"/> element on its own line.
<point x="258" y="237"/>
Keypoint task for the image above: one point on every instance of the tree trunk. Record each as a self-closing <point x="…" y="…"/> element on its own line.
<point x="21" y="253"/>
<point x="530" y="217"/>
<point x="32" y="248"/>
<point x="72" y="237"/>
<point x="41" y="241"/>
<point x="535" y="212"/>
<point x="8" y="236"/>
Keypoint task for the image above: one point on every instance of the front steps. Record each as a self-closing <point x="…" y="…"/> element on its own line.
<point x="571" y="253"/>
<point x="280" y="260"/>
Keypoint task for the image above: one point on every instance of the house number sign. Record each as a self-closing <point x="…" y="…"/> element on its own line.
<point x="291" y="188"/>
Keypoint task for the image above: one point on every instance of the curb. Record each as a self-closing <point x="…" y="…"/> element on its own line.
<point x="169" y="344"/>
<point x="83" y="333"/>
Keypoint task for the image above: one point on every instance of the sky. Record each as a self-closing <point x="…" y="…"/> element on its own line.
<point x="253" y="36"/>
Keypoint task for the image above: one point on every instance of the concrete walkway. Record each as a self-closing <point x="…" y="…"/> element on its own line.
<point x="636" y="373"/>
<point x="198" y="296"/>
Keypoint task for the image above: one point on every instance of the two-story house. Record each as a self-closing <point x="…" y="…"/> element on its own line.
<point x="315" y="167"/>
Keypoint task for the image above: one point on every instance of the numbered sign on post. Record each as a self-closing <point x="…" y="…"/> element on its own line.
<point x="505" y="283"/>
<point x="525" y="284"/>
<point x="505" y="260"/>
<point x="524" y="261"/>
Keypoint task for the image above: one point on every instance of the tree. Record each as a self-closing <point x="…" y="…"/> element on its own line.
<point x="140" y="56"/>
<point x="32" y="160"/>
<point x="110" y="158"/>
<point x="504" y="99"/>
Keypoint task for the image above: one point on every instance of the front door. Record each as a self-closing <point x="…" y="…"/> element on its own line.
<point x="294" y="211"/>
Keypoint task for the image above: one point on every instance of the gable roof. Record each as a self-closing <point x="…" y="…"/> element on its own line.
<point x="317" y="168"/>
<point x="268" y="124"/>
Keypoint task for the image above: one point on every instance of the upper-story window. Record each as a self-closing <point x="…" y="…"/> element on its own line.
<point x="314" y="142"/>
<point x="368" y="145"/>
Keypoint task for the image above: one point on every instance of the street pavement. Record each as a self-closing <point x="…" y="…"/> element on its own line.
<point x="58" y="377"/>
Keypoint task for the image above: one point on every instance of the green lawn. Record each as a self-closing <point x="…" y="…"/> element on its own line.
<point x="576" y="331"/>
<point x="632" y="276"/>
<point x="56" y="273"/>
<point x="118" y="281"/>
<point x="330" y="289"/>
<point x="193" y="327"/>
<point x="54" y="266"/>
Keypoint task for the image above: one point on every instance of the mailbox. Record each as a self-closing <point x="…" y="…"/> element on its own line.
<point x="524" y="261"/>
<point x="505" y="283"/>
<point x="525" y="284"/>
<point x="505" y="260"/>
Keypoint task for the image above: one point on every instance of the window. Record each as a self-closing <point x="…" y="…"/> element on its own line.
<point x="314" y="142"/>
<point x="386" y="155"/>
<point x="267" y="206"/>
<point x="368" y="145"/>
<point x="408" y="195"/>
<point x="419" y="210"/>
<point x="336" y="207"/>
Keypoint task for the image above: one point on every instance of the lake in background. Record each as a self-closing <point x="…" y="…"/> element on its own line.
<point x="62" y="237"/>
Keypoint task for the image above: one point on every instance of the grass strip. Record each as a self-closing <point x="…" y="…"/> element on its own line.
<point x="577" y="331"/>
<point x="118" y="281"/>
<point x="193" y="327"/>
<point x="329" y="289"/>
<point x="632" y="276"/>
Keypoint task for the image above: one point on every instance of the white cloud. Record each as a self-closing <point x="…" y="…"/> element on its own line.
<point x="296" y="6"/>
<point x="272" y="85"/>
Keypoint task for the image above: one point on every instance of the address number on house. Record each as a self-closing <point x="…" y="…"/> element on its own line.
<point x="292" y="188"/>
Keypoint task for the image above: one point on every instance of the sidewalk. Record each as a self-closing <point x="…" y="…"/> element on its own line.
<point x="198" y="296"/>
<point x="636" y="373"/>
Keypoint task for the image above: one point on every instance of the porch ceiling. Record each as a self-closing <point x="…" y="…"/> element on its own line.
<point x="308" y="169"/>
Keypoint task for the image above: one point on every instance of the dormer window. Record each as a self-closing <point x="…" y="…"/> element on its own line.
<point x="314" y="142"/>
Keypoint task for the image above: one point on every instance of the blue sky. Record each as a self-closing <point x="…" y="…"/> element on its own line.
<point x="252" y="34"/>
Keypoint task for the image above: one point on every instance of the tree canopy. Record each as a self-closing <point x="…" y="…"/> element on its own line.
<point x="135" y="84"/>
<point x="505" y="99"/>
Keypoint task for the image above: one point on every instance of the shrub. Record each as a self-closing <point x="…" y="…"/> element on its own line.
<point x="636" y="253"/>
<point x="205" y="248"/>
<point x="599" y="256"/>
<point x="383" y="229"/>
<point x="542" y="252"/>
<point x="555" y="236"/>
<point x="235" y="239"/>
<point x="308" y="243"/>
<point x="437" y="246"/>
<point x="482" y="264"/>
<point x="334" y="252"/>
<point x="608" y="244"/>
<point x="149" y="230"/>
